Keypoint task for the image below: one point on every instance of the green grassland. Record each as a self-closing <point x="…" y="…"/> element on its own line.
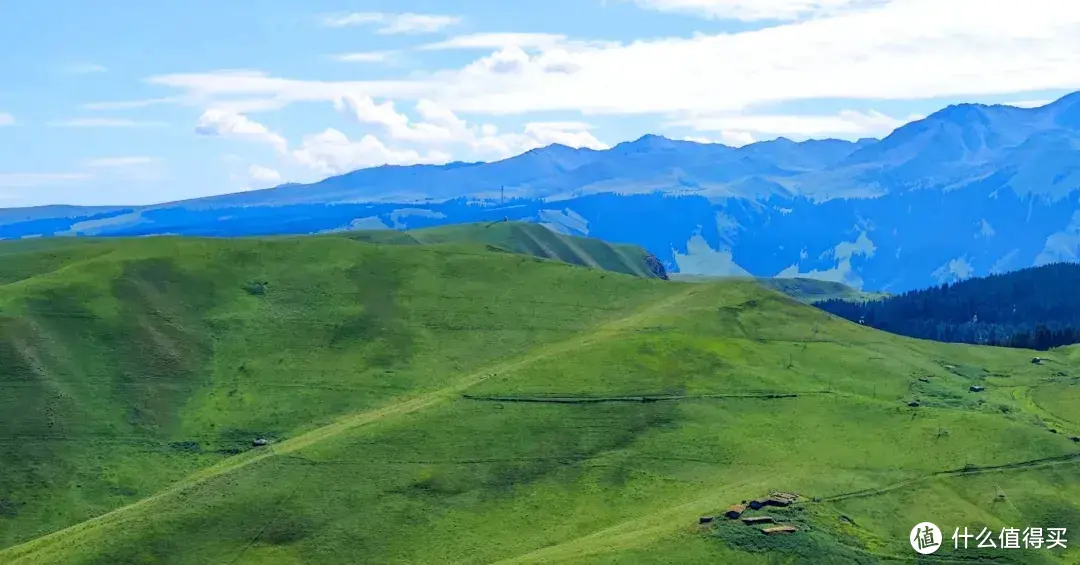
<point x="804" y="290"/>
<point x="440" y="401"/>
<point x="525" y="238"/>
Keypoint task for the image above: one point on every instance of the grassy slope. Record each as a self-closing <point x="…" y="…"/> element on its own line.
<point x="358" y="359"/>
<point x="527" y="238"/>
<point x="812" y="290"/>
<point x="804" y="290"/>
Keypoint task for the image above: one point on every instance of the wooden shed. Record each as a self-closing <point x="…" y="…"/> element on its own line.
<point x="734" y="511"/>
<point x="976" y="388"/>
<point x="784" y="529"/>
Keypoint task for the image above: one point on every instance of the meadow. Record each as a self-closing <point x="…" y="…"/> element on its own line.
<point x="467" y="399"/>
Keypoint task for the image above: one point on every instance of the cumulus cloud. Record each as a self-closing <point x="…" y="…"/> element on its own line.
<point x="263" y="176"/>
<point x="114" y="162"/>
<point x="754" y="10"/>
<point x="332" y="152"/>
<point x="224" y="123"/>
<point x="440" y="126"/>
<point x="896" y="50"/>
<point x="736" y="138"/>
<point x="6" y="119"/>
<point x="390" y="24"/>
<point x="436" y="136"/>
<point x="105" y="123"/>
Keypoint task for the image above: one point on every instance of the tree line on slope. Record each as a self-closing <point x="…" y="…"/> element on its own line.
<point x="1034" y="308"/>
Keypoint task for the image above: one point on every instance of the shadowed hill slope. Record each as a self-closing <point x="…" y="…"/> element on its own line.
<point x="443" y="403"/>
<point x="530" y="239"/>
<point x="807" y="291"/>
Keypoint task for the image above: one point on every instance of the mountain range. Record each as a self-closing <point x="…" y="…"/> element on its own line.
<point x="969" y="190"/>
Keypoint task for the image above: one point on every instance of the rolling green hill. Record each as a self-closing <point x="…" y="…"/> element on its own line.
<point x="437" y="403"/>
<point x="531" y="239"/>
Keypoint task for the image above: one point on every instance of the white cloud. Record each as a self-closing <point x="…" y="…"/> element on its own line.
<point x="6" y="119"/>
<point x="364" y="57"/>
<point x="1028" y="103"/>
<point x="30" y="180"/>
<point x="442" y="127"/>
<point x="571" y="134"/>
<point x="263" y="175"/>
<point x="440" y="135"/>
<point x="332" y="152"/>
<point x="398" y="126"/>
<point x="394" y="23"/>
<point x="129" y="104"/>
<point x="224" y="123"/>
<point x="498" y="40"/>
<point x="847" y="124"/>
<point x="104" y="123"/>
<point x="736" y="138"/>
<point x="899" y="50"/>
<point x="112" y="162"/>
<point x="753" y="10"/>
<point x="329" y="152"/>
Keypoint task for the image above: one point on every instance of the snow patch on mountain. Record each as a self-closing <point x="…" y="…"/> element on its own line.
<point x="701" y="259"/>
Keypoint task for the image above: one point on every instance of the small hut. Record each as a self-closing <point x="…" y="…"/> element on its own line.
<point x="754" y="520"/>
<point x="976" y="388"/>
<point x="758" y="504"/>
<point x="734" y="511"/>
<point x="784" y="529"/>
<point x="259" y="442"/>
<point x="1036" y="361"/>
<point x="705" y="520"/>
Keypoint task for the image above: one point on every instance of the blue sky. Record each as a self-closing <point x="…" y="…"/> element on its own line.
<point x="145" y="102"/>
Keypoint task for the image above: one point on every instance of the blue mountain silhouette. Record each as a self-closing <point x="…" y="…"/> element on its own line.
<point x="969" y="190"/>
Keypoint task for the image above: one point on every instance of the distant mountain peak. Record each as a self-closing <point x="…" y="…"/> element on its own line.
<point x="960" y="112"/>
<point x="1067" y="100"/>
<point x="651" y="141"/>
<point x="554" y="147"/>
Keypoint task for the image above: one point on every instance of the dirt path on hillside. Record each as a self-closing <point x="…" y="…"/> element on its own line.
<point x="76" y="533"/>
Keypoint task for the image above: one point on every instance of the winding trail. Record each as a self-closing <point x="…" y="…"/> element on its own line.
<point x="1019" y="465"/>
<point x="34" y="550"/>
